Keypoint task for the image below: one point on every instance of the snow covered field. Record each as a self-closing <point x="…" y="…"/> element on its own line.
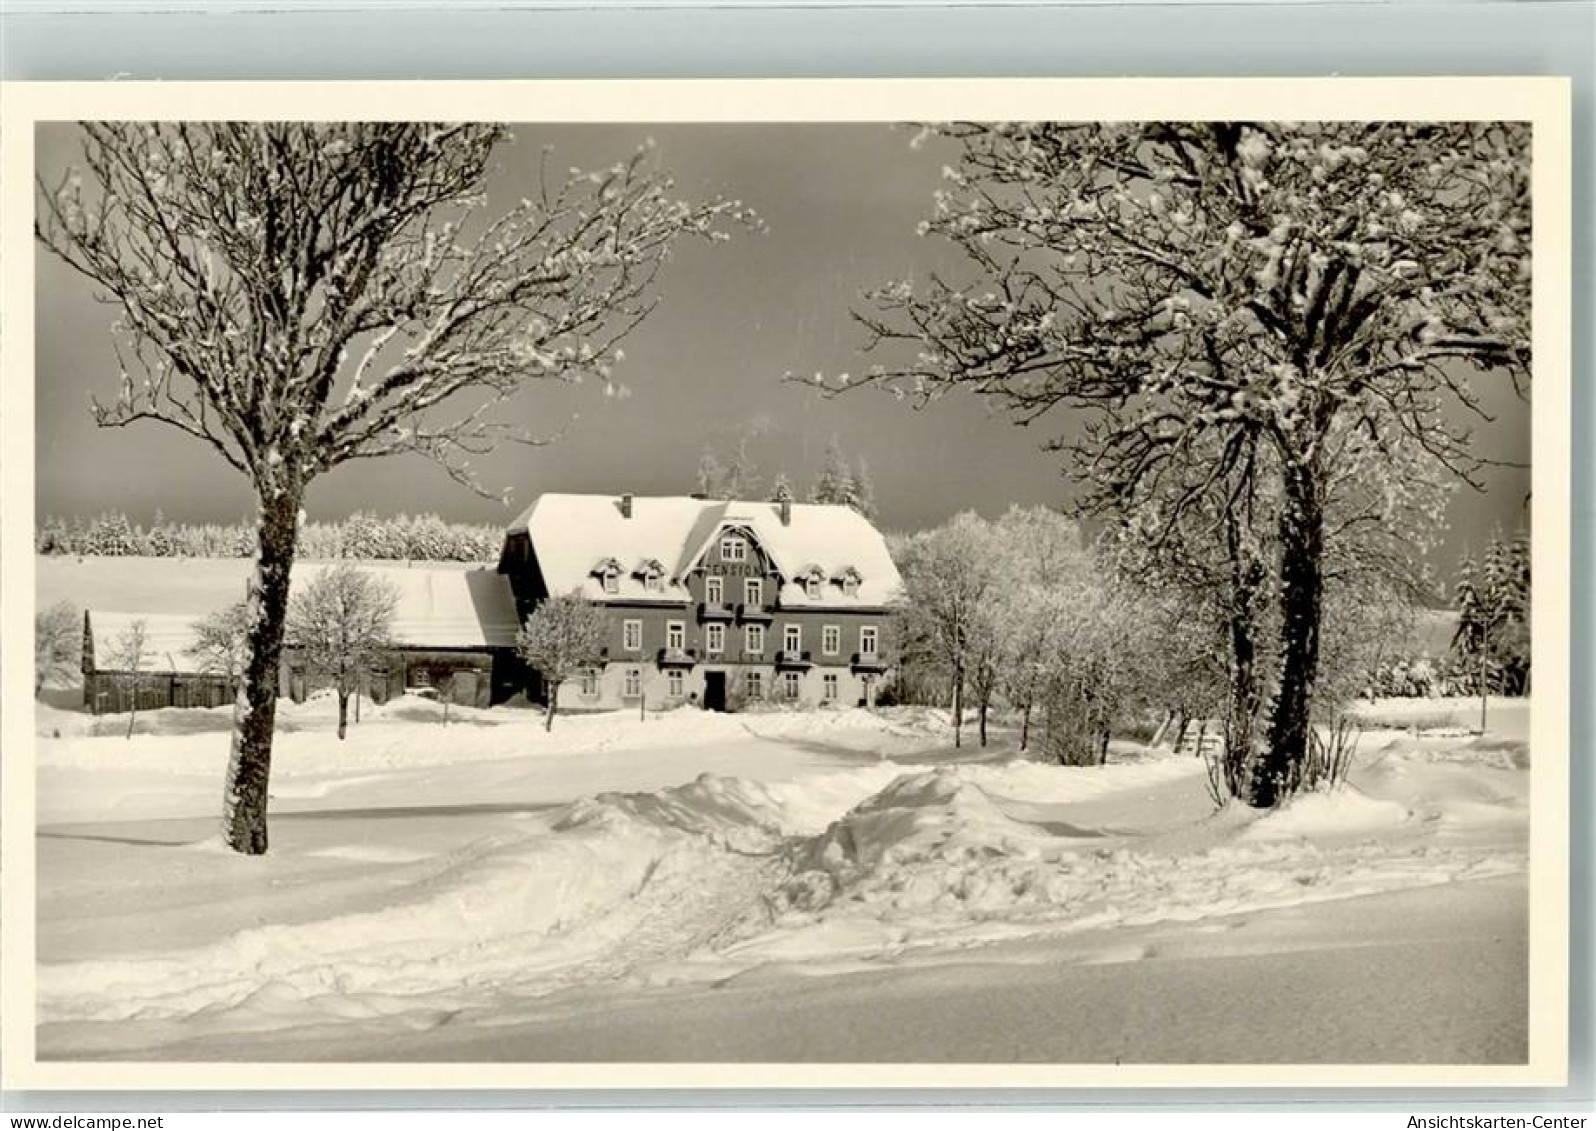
<point x="829" y="886"/>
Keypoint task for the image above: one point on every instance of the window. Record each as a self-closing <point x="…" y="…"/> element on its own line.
<point x="792" y="638"/>
<point x="789" y="684"/>
<point x="713" y="590"/>
<point x="867" y="640"/>
<point x="754" y="638"/>
<point x="675" y="635"/>
<point x="714" y="639"/>
<point x="673" y="683"/>
<point x="634" y="683"/>
<point x="654" y="582"/>
<point x="612" y="582"/>
<point x="812" y="586"/>
<point x="829" y="684"/>
<point x="733" y="549"/>
<point x="590" y="682"/>
<point x="753" y="591"/>
<point x="850" y="584"/>
<point x="632" y="635"/>
<point x="754" y="685"/>
<point x="831" y="640"/>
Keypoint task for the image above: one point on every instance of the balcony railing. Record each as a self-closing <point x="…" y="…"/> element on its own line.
<point x="788" y="658"/>
<point x="717" y="610"/>
<point x="754" y="614"/>
<point x="677" y="657"/>
<point x="869" y="662"/>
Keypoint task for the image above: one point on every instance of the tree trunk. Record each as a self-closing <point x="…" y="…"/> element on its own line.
<point x="1241" y="716"/>
<point x="983" y="711"/>
<point x="255" y="709"/>
<point x="132" y="709"/>
<point x="343" y="713"/>
<point x="1301" y="592"/>
<point x="1025" y="725"/>
<point x="958" y="707"/>
<point x="1485" y="684"/>
<point x="1102" y="749"/>
<point x="553" y="694"/>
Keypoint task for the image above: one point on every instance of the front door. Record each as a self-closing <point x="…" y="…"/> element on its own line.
<point x="714" y="691"/>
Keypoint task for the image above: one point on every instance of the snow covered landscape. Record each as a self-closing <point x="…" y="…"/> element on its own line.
<point x="742" y="715"/>
<point x="786" y="886"/>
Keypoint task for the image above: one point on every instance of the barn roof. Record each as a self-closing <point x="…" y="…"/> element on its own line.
<point x="571" y="532"/>
<point x="441" y="608"/>
<point x="167" y="639"/>
<point x="437" y="608"/>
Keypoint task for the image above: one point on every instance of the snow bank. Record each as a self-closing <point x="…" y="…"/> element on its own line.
<point x="613" y="880"/>
<point x="1341" y="812"/>
<point x="733" y="813"/>
<point x="482" y="915"/>
<point x="955" y="855"/>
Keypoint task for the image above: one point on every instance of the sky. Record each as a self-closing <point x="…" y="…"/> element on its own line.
<point x="840" y="204"/>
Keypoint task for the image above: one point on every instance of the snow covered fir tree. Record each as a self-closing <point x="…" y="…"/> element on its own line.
<point x="1059" y="570"/>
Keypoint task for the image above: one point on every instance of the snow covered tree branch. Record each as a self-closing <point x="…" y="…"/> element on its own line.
<point x="1207" y="292"/>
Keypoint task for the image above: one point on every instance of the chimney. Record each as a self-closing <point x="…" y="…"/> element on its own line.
<point x="626" y="505"/>
<point x="786" y="512"/>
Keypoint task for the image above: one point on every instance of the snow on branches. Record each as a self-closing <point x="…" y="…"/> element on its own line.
<point x="1271" y="329"/>
<point x="301" y="295"/>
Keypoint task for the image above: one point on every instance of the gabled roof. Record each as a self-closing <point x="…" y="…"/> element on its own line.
<point x="437" y="608"/>
<point x="167" y="639"/>
<point x="571" y="532"/>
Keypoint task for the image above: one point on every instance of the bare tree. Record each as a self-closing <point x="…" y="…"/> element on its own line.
<point x="562" y="635"/>
<point x="342" y="623"/>
<point x="130" y="652"/>
<point x="57" y="644"/>
<point x="301" y="295"/>
<point x="1206" y="290"/>
<point x="221" y="643"/>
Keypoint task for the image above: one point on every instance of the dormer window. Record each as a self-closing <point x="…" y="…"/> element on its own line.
<point x="849" y="580"/>
<point x="652" y="573"/>
<point x="733" y="548"/>
<point x="608" y="571"/>
<point x="813" y="581"/>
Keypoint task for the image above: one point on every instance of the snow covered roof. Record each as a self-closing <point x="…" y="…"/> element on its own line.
<point x="437" y="608"/>
<point x="441" y="608"/>
<point x="167" y="638"/>
<point x="569" y="533"/>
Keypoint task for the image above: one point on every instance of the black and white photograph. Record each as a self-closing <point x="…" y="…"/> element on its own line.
<point x="940" y="591"/>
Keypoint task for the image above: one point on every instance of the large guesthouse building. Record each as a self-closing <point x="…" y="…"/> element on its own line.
<point x="710" y="602"/>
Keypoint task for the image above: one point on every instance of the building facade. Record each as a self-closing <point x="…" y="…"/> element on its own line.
<point x="710" y="602"/>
